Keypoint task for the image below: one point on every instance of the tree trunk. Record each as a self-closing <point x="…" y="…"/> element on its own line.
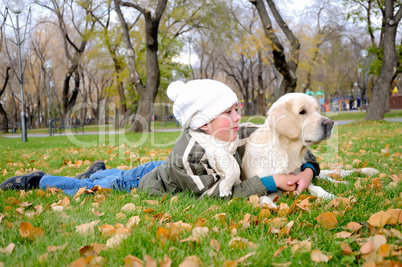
<point x="287" y="69"/>
<point x="380" y="91"/>
<point x="3" y="114"/>
<point x="147" y="93"/>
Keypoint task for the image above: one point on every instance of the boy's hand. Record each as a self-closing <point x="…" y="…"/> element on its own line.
<point x="302" y="180"/>
<point x="282" y="181"/>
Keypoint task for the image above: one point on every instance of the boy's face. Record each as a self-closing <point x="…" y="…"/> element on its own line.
<point x="225" y="126"/>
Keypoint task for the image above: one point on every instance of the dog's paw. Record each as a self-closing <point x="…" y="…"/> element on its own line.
<point x="368" y="171"/>
<point x="267" y="200"/>
<point x="320" y="192"/>
<point x="225" y="190"/>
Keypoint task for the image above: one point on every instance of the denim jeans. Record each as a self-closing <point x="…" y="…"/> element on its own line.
<point x="112" y="178"/>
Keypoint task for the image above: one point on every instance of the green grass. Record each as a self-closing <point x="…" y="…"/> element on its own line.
<point x="375" y="144"/>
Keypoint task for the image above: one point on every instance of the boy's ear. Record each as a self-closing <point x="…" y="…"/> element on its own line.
<point x="204" y="127"/>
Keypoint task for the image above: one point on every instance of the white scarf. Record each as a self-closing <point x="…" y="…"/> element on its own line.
<point x="220" y="156"/>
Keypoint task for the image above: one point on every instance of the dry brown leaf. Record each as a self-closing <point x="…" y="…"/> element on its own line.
<point x="245" y="257"/>
<point x="318" y="256"/>
<point x="65" y="202"/>
<point x="26" y="229"/>
<point x="133" y="221"/>
<point x="343" y="234"/>
<point x="282" y="264"/>
<point x="86" y="228"/>
<point x="120" y="216"/>
<point x="384" y="250"/>
<point x="396" y="216"/>
<point x="346" y="249"/>
<point x="367" y="247"/>
<point x="327" y="220"/>
<point x="151" y="202"/>
<point x="279" y="250"/>
<point x="167" y="262"/>
<point x="115" y="241"/>
<point x="264" y="213"/>
<point x="215" y="245"/>
<point x="379" y="219"/>
<point x="149" y="261"/>
<point x="55" y="248"/>
<point x="302" y="246"/>
<point x="106" y="228"/>
<point x="128" y="207"/>
<point x="131" y="261"/>
<point x="191" y="261"/>
<point x="97" y="213"/>
<point x="286" y="230"/>
<point x="241" y="243"/>
<point x="378" y="241"/>
<point x="202" y="231"/>
<point x="8" y="250"/>
<point x="353" y="226"/>
<point x="174" y="200"/>
<point x="283" y="209"/>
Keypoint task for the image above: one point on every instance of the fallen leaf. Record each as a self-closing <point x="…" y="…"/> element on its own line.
<point x="367" y="248"/>
<point x="55" y="248"/>
<point x="131" y="261"/>
<point x="191" y="261"/>
<point x="395" y="216"/>
<point x="128" y="207"/>
<point x="133" y="221"/>
<point x="353" y="226"/>
<point x="86" y="228"/>
<point x="215" y="245"/>
<point x="97" y="213"/>
<point x="149" y="261"/>
<point x="25" y="229"/>
<point x="279" y="250"/>
<point x="384" y="250"/>
<point x="379" y="219"/>
<point x="343" y="234"/>
<point x="151" y="202"/>
<point x="327" y="220"/>
<point x="8" y="250"/>
<point x="318" y="256"/>
<point x="115" y="241"/>
<point x="167" y="262"/>
<point x="346" y="249"/>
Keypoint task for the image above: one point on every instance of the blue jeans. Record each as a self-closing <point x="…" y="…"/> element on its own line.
<point x="112" y="178"/>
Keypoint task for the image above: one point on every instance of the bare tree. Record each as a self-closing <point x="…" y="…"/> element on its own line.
<point x="147" y="93"/>
<point x="3" y="113"/>
<point x="74" y="42"/>
<point x="286" y="67"/>
<point x="380" y="91"/>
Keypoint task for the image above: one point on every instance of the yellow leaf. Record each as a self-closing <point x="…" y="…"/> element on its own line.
<point x="133" y="221"/>
<point x="384" y="250"/>
<point x="25" y="229"/>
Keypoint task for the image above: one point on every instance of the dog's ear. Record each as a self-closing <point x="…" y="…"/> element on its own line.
<point x="283" y="121"/>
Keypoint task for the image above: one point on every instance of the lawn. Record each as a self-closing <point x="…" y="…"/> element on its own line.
<point x="108" y="228"/>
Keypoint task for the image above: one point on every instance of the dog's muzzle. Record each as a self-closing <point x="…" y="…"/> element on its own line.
<point x="327" y="125"/>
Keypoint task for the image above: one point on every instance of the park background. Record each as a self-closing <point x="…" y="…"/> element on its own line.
<point x="90" y="67"/>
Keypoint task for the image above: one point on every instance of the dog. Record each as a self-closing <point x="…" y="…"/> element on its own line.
<point x="280" y="145"/>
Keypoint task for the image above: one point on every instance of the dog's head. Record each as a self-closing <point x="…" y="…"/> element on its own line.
<point x="296" y="116"/>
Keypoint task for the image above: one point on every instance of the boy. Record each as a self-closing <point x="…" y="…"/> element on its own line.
<point x="209" y="150"/>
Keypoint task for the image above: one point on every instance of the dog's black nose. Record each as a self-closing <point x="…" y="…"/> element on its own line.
<point x="327" y="123"/>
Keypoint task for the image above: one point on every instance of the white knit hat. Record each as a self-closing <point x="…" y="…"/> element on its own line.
<point x="198" y="102"/>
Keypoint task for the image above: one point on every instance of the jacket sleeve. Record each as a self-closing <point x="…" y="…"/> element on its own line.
<point x="310" y="158"/>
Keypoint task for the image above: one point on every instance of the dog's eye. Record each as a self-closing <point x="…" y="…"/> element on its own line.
<point x="302" y="112"/>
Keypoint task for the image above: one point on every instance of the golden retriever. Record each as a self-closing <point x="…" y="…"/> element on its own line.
<point x="280" y="145"/>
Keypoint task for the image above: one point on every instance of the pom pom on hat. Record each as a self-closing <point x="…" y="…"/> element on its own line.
<point x="198" y="102"/>
<point x="174" y="89"/>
